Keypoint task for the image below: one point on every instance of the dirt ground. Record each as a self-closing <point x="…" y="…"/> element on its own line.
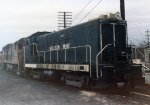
<point x="16" y="90"/>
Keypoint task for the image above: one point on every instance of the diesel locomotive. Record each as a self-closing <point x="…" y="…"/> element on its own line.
<point x="94" y="52"/>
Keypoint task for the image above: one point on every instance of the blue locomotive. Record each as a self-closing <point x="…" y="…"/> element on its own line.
<point x="94" y="53"/>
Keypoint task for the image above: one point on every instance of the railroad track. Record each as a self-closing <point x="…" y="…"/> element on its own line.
<point x="141" y="93"/>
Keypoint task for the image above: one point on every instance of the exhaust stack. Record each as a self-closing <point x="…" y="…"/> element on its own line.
<point x="122" y="9"/>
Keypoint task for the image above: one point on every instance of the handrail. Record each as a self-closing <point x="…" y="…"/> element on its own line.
<point x="86" y="54"/>
<point x="86" y="46"/>
<point x="97" y="65"/>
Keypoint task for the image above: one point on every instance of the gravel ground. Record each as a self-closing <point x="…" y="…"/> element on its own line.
<point x="15" y="90"/>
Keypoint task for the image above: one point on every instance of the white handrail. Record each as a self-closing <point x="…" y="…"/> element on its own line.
<point x="86" y="46"/>
<point x="97" y="65"/>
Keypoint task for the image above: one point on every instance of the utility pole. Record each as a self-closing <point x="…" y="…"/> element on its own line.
<point x="122" y="9"/>
<point x="65" y="19"/>
<point x="148" y="37"/>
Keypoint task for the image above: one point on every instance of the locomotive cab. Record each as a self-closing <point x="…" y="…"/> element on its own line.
<point x="114" y="60"/>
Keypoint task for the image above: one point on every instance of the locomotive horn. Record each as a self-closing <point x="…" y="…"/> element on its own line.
<point x="122" y="9"/>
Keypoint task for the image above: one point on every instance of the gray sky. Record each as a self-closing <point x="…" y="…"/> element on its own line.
<point x="21" y="18"/>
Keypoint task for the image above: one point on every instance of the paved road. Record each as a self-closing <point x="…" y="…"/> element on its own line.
<point x="15" y="90"/>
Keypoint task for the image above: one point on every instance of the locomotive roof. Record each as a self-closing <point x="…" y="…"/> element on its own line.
<point x="109" y="20"/>
<point x="6" y="46"/>
<point x="38" y="34"/>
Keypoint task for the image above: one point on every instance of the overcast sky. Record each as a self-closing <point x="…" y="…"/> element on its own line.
<point x="21" y="18"/>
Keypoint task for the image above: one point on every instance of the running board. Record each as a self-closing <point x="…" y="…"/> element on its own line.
<point x="106" y="65"/>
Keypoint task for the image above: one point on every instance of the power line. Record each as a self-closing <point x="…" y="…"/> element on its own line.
<point x="148" y="37"/>
<point x="137" y="40"/>
<point x="139" y="23"/>
<point x="82" y="9"/>
<point x="141" y="35"/>
<point x="90" y="11"/>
